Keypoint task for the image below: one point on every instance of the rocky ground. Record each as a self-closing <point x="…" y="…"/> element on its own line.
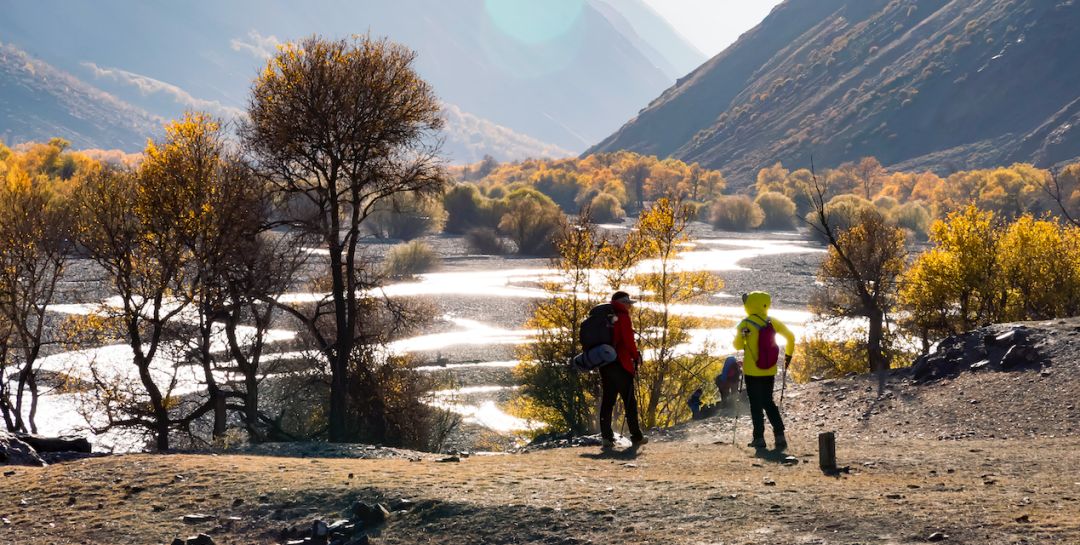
<point x="949" y="453"/>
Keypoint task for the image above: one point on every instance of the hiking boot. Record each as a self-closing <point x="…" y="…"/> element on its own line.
<point x="758" y="442"/>
<point x="637" y="442"/>
<point x="607" y="444"/>
<point x="781" y="441"/>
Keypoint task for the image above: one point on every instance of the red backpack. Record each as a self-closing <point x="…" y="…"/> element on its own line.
<point x="768" y="352"/>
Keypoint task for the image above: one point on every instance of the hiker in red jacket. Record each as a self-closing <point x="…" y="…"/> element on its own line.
<point x="618" y="380"/>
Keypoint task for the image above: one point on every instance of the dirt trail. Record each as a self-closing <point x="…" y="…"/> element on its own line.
<point x="975" y="491"/>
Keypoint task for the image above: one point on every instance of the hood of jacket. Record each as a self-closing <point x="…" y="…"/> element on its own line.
<point x="757" y="303"/>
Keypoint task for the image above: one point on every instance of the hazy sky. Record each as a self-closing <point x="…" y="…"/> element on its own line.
<point x="712" y="25"/>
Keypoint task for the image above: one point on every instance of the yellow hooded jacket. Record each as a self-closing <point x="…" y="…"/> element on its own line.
<point x="757" y="309"/>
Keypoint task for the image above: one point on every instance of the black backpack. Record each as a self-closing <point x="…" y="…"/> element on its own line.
<point x="598" y="328"/>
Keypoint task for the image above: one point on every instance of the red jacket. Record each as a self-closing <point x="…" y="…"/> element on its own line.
<point x="625" y="347"/>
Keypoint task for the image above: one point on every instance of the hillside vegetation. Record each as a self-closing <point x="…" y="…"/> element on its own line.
<point x="920" y="84"/>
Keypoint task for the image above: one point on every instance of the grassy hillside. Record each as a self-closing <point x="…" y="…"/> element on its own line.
<point x="936" y="84"/>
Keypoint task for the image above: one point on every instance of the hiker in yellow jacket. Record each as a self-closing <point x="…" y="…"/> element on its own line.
<point x="756" y="337"/>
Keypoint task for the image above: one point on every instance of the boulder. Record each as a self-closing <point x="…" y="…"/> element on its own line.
<point x="369" y="515"/>
<point x="57" y="444"/>
<point x="201" y="539"/>
<point x="16" y="452"/>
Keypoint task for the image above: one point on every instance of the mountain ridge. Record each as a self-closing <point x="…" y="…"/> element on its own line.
<point x="562" y="86"/>
<point x="938" y="84"/>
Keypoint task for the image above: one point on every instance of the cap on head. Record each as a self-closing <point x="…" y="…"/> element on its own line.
<point x="622" y="297"/>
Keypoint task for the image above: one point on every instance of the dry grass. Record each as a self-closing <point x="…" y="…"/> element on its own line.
<point x="684" y="492"/>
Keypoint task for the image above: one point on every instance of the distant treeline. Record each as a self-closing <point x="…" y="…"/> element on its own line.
<point x="613" y="183"/>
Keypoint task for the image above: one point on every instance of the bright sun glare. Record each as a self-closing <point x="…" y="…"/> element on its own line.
<point x="534" y="22"/>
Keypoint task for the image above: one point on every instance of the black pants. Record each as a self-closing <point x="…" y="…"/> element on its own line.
<point x="616" y="381"/>
<point x="760" y="390"/>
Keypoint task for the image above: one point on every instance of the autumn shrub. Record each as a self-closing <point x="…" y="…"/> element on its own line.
<point x="467" y="208"/>
<point x="735" y="213"/>
<point x="409" y="259"/>
<point x="561" y="186"/>
<point x="779" y="211"/>
<point x="531" y="221"/>
<point x="912" y="216"/>
<point x="818" y="357"/>
<point x="843" y="211"/>
<point x="486" y="241"/>
<point x="464" y="207"/>
<point x="885" y="203"/>
<point x="406" y="217"/>
<point x="606" y="209"/>
<point x="1040" y="261"/>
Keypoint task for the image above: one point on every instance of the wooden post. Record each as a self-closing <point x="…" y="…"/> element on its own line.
<point x="827" y="451"/>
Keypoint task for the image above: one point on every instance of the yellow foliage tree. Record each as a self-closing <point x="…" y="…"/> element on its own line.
<point x="667" y="377"/>
<point x="36" y="228"/>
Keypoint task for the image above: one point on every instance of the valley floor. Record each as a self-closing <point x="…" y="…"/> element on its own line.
<point x="693" y="491"/>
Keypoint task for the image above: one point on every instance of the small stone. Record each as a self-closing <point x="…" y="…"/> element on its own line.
<point x="769" y="482"/>
<point x="238" y="502"/>
<point x="157" y="508"/>
<point x="9" y="473"/>
<point x="448" y="459"/>
<point x="178" y="478"/>
<point x="6" y="521"/>
<point x="402" y="505"/>
<point x="894" y="496"/>
<point x="609" y="518"/>
<point x="201" y="539"/>
<point x="24" y="503"/>
<point x="351" y="475"/>
<point x="197" y="518"/>
<point x="937" y="536"/>
<point x="320" y="529"/>
<point x="1023" y="519"/>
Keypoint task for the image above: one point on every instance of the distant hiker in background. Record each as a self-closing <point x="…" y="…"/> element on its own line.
<point x="756" y="337"/>
<point x="618" y="380"/>
<point x="727" y="382"/>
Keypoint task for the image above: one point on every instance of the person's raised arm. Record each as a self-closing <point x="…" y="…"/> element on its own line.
<point x="789" y="346"/>
<point x="739" y="334"/>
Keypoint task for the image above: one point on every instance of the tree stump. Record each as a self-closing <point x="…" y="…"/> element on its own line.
<point x="827" y="452"/>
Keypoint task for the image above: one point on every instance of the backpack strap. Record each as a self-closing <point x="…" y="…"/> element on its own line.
<point x="756" y="325"/>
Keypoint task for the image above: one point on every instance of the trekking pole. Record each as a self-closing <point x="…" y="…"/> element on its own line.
<point x="735" y="421"/>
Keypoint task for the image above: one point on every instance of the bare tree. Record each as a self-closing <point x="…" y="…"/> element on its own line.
<point x="860" y="273"/>
<point x="339" y="126"/>
<point x="128" y="231"/>
<point x="1062" y="191"/>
